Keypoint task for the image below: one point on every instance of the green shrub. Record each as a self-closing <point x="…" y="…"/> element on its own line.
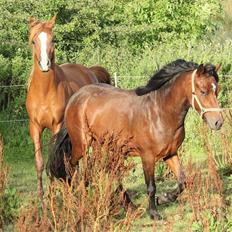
<point x="9" y="202"/>
<point x="9" y="205"/>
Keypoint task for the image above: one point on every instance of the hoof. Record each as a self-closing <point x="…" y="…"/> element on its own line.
<point x="165" y="198"/>
<point x="154" y="215"/>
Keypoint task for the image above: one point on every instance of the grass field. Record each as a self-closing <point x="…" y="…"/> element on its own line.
<point x="213" y="207"/>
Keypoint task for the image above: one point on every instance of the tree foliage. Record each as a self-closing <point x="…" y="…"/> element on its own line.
<point x="84" y="27"/>
<point x="96" y="23"/>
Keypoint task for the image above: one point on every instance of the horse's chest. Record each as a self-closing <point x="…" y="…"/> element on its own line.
<point x="162" y="145"/>
<point x="172" y="143"/>
<point x="45" y="111"/>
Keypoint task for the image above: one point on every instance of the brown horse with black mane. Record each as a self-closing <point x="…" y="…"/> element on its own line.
<point x="50" y="87"/>
<point x="151" y="117"/>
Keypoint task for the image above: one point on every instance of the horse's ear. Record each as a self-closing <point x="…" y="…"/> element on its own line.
<point x="33" y="21"/>
<point x="217" y="67"/>
<point x="200" y="69"/>
<point x="51" y="22"/>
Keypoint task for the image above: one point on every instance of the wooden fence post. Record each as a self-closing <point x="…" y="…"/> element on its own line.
<point x="115" y="80"/>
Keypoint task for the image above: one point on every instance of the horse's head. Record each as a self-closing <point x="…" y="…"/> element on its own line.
<point x="204" y="95"/>
<point x="41" y="36"/>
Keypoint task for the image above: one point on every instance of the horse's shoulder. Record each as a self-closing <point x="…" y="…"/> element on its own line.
<point x="59" y="70"/>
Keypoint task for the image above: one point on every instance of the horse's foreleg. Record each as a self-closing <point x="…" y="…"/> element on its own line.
<point x="35" y="133"/>
<point x="148" y="169"/>
<point x="175" y="165"/>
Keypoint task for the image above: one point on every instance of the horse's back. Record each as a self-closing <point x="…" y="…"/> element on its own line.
<point x="101" y="91"/>
<point x="100" y="105"/>
<point x="79" y="74"/>
<point x="100" y="96"/>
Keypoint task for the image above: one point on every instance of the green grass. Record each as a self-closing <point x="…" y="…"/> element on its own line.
<point x="19" y="156"/>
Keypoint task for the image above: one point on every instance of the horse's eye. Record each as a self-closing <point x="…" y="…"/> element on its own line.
<point x="203" y="93"/>
<point x="33" y="42"/>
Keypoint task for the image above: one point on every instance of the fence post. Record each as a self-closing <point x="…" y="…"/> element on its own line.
<point x="115" y="80"/>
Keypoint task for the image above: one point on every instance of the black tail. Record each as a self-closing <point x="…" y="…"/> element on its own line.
<point x="61" y="147"/>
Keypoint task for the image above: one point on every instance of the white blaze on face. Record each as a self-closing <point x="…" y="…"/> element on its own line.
<point x="214" y="87"/>
<point x="44" y="61"/>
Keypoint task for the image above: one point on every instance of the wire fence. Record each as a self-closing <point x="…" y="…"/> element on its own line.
<point x="14" y="120"/>
<point x="12" y="86"/>
<point x="117" y="80"/>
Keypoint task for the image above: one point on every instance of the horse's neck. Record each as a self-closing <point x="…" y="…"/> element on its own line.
<point x="171" y="104"/>
<point x="43" y="80"/>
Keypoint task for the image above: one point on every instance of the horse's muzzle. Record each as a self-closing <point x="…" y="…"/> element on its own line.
<point x="214" y="123"/>
<point x="44" y="67"/>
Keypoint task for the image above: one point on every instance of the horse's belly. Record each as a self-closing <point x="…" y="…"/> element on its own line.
<point x="170" y="147"/>
<point x="104" y="129"/>
<point x="108" y="129"/>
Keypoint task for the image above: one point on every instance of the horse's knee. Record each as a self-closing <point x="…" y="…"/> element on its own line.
<point x="74" y="161"/>
<point x="76" y="156"/>
<point x="39" y="165"/>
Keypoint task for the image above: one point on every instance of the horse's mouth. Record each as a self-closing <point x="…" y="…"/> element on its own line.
<point x="44" y="71"/>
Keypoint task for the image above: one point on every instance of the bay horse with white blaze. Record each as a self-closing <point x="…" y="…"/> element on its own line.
<point x="151" y="117"/>
<point x="50" y="87"/>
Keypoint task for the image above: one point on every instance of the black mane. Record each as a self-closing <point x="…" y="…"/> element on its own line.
<point x="169" y="71"/>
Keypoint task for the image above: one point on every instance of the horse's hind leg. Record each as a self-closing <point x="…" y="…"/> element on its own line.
<point x="175" y="165"/>
<point x="79" y="141"/>
<point x="78" y="150"/>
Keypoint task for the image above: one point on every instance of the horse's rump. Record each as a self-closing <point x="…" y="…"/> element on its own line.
<point x="102" y="74"/>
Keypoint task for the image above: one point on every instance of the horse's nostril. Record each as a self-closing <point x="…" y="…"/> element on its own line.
<point x="218" y="124"/>
<point x="49" y="63"/>
<point x="40" y="64"/>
